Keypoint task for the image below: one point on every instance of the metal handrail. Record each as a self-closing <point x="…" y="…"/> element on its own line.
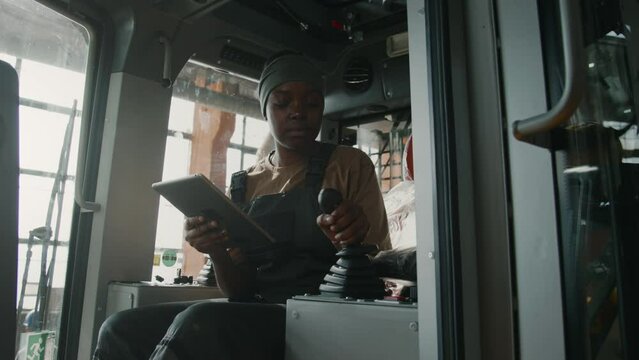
<point x="574" y="76"/>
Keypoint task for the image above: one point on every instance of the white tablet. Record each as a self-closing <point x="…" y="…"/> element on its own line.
<point x="195" y="195"/>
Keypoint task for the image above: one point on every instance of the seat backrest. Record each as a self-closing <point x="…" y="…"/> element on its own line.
<point x="9" y="167"/>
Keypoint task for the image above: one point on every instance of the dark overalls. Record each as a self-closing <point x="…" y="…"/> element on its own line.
<point x="223" y="330"/>
<point x="306" y="255"/>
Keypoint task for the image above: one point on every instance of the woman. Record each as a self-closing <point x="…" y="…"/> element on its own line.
<point x="280" y="193"/>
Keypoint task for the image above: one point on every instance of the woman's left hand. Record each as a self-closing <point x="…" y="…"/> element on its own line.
<point x="347" y="225"/>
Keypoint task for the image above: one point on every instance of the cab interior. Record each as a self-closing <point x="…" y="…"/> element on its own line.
<point x="161" y="69"/>
<point x="525" y="239"/>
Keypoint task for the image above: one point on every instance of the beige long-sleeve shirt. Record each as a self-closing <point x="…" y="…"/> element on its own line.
<point x="349" y="170"/>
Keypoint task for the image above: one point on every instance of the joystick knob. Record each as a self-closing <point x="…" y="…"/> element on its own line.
<point x="329" y="199"/>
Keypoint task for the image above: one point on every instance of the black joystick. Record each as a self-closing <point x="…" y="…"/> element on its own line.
<point x="329" y="199"/>
<point x="353" y="276"/>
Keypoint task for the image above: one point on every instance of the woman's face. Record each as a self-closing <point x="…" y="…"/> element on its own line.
<point x="294" y="111"/>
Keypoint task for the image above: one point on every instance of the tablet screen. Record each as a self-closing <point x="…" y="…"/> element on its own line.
<point x="195" y="195"/>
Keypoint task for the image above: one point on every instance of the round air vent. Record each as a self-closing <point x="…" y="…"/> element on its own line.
<point x="358" y="75"/>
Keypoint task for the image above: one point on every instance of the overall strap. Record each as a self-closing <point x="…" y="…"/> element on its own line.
<point x="238" y="186"/>
<point x="317" y="165"/>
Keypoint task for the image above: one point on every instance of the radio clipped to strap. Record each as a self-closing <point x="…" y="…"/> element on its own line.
<point x="238" y="186"/>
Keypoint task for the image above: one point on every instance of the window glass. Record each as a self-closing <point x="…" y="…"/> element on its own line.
<point x="229" y="147"/>
<point x="176" y="157"/>
<point x="596" y="179"/>
<point x="238" y="136"/>
<point x="11" y="60"/>
<point x="41" y="138"/>
<point x="50" y="84"/>
<point x="256" y="132"/>
<point x="49" y="52"/>
<point x="181" y="115"/>
<point x="233" y="163"/>
<point x="168" y="218"/>
<point x="34" y="192"/>
<point x="384" y="142"/>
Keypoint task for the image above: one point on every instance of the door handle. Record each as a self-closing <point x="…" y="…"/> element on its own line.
<point x="574" y="77"/>
<point x="85" y="206"/>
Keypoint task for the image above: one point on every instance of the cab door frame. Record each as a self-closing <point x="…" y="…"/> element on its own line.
<point x="459" y="281"/>
<point x="534" y="219"/>
<point x="499" y="266"/>
<point x="9" y="205"/>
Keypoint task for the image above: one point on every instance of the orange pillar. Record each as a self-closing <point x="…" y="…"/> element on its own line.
<point x="212" y="131"/>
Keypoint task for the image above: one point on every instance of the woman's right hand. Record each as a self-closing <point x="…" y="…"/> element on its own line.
<point x="206" y="236"/>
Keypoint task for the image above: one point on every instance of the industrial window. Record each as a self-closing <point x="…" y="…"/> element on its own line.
<point x="50" y="54"/>
<point x="384" y="141"/>
<point x="208" y="133"/>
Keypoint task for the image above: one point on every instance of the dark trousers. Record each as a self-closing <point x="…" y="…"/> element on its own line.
<point x="212" y="330"/>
